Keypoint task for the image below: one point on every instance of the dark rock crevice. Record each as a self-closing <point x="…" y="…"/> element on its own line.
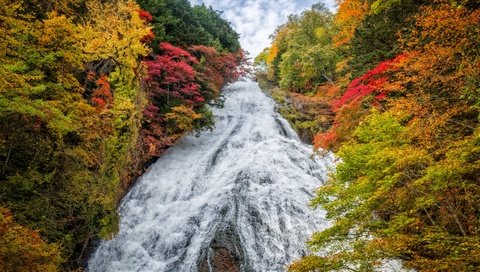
<point x="225" y="253"/>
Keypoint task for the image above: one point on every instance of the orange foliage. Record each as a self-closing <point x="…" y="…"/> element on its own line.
<point x="22" y="249"/>
<point x="325" y="140"/>
<point x="350" y="14"/>
<point x="439" y="79"/>
<point x="407" y="187"/>
<point x="102" y="97"/>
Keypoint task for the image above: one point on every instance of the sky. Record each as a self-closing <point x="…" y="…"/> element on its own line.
<point x="255" y="20"/>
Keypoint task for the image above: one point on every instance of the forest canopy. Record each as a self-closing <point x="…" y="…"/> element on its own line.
<point x="401" y="80"/>
<point x="91" y="92"/>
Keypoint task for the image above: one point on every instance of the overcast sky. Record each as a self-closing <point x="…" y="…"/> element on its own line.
<point x="255" y="20"/>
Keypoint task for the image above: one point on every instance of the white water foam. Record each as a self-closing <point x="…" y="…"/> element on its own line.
<point x="251" y="172"/>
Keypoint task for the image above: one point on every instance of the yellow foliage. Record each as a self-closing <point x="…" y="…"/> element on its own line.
<point x="121" y="43"/>
<point x="443" y="69"/>
<point x="281" y="34"/>
<point x="272" y="54"/>
<point x="183" y="117"/>
<point x="14" y="28"/>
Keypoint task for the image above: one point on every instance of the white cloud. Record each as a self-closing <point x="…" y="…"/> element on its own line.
<point x="255" y="20"/>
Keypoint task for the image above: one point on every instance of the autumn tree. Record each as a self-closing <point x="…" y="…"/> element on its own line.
<point x="375" y="38"/>
<point x="22" y="249"/>
<point x="407" y="184"/>
<point x="349" y="16"/>
<point x="78" y="106"/>
<point x="361" y="95"/>
<point x="68" y="98"/>
<point x="215" y="69"/>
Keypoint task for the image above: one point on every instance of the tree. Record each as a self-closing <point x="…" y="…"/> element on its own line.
<point x="363" y="93"/>
<point x="177" y="22"/>
<point x="375" y="38"/>
<point x="82" y="114"/>
<point x="171" y="83"/>
<point x="349" y="16"/>
<point x="22" y="249"/>
<point x="68" y="115"/>
<point x="302" y="55"/>
<point x="215" y="69"/>
<point x="407" y="184"/>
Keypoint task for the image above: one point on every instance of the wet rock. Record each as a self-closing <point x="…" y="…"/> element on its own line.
<point x="224" y="254"/>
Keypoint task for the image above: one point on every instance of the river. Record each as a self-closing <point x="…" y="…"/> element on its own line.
<point x="231" y="199"/>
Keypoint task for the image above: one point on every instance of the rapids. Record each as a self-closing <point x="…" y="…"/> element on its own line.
<point x="239" y="192"/>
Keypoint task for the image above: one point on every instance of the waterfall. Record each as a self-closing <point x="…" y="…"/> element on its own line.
<point x="236" y="196"/>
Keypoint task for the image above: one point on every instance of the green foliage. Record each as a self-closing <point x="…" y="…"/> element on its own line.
<point x="302" y="62"/>
<point x="177" y="22"/>
<point x="375" y="39"/>
<point x="71" y="110"/>
<point x="220" y="33"/>
<point x="59" y="174"/>
<point x="383" y="6"/>
<point x="305" y="56"/>
<point x="394" y="200"/>
<point x="407" y="131"/>
<point x="206" y="120"/>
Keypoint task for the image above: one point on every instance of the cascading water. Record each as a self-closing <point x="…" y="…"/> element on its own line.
<point x="231" y="199"/>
